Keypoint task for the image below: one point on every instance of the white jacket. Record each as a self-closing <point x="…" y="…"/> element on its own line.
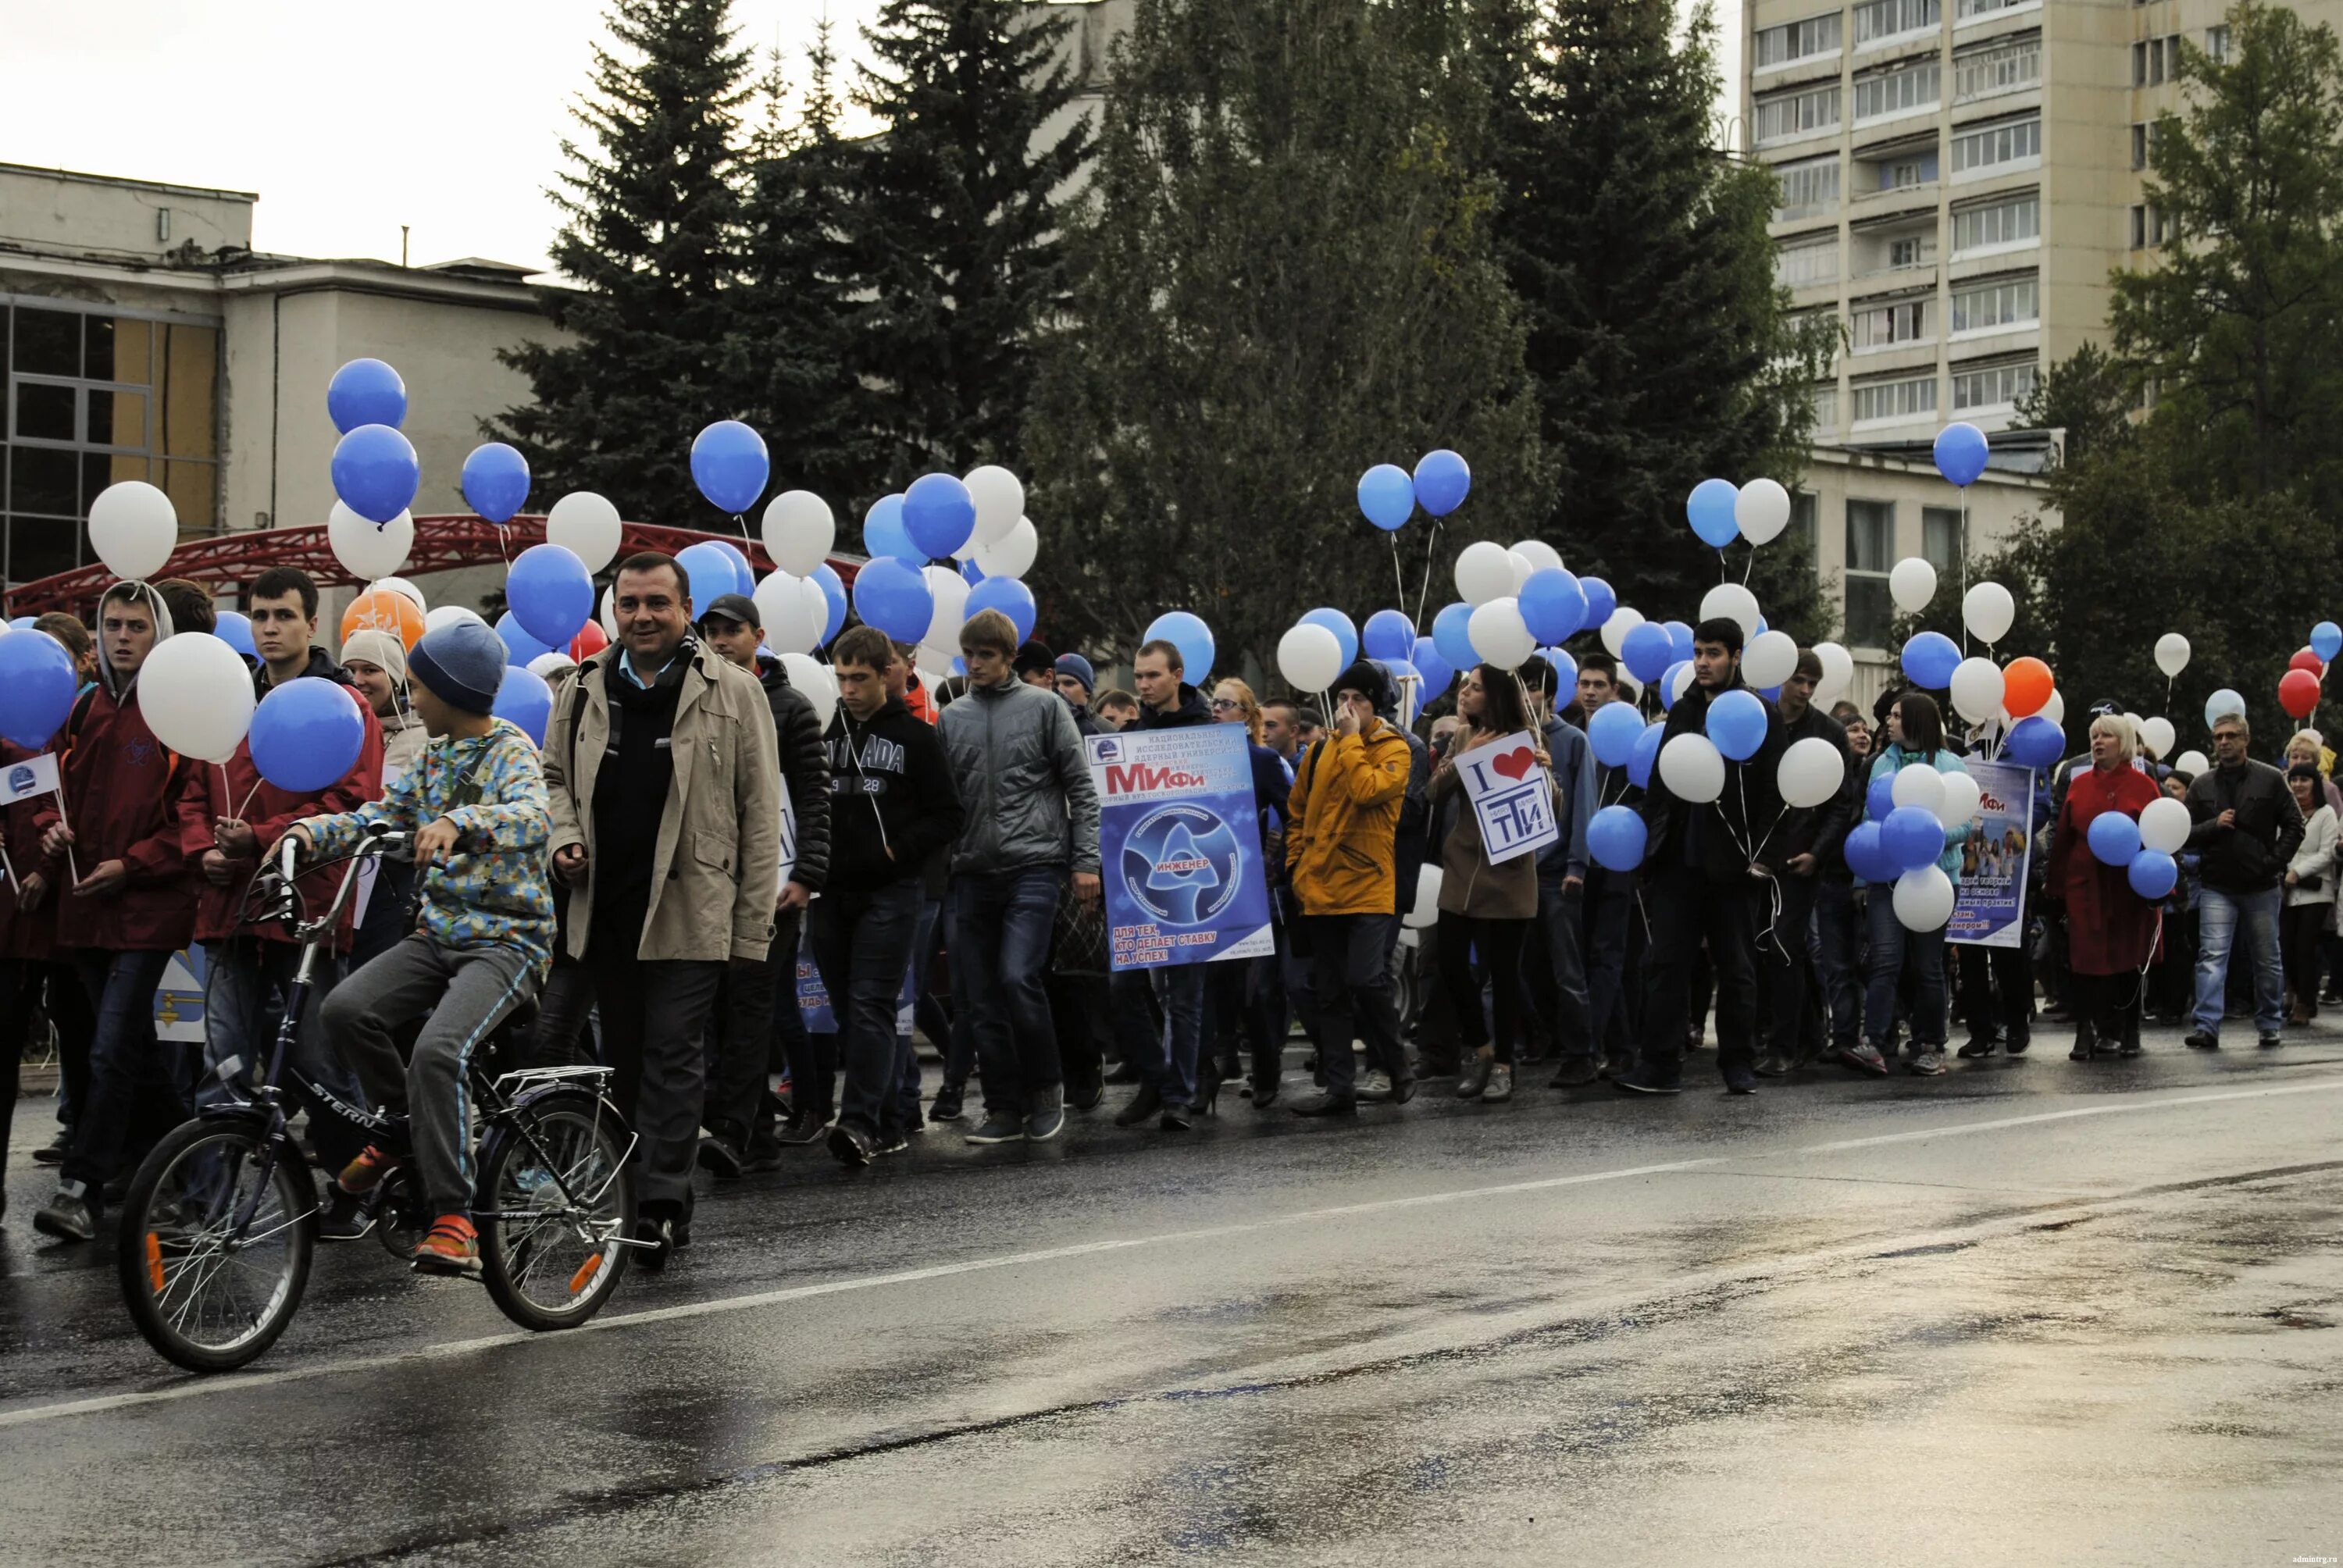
<point x="2315" y="858"/>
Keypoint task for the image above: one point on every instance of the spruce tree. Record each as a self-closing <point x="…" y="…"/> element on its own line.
<point x="650" y="247"/>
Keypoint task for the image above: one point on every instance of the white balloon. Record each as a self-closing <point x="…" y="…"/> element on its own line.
<point x="2192" y="763"/>
<point x="1499" y="635"/>
<point x="1987" y="612"/>
<point x="2164" y="824"/>
<point x="934" y="662"/>
<point x="1963" y="800"/>
<point x="1919" y="784"/>
<point x="609" y="616"/>
<point x="1631" y="685"/>
<point x="196" y="692"/>
<point x="1976" y="688"/>
<point x="1675" y="681"/>
<point x="1811" y="772"/>
<point x="1310" y="657"/>
<point x="404" y="589"/>
<point x="369" y="551"/>
<point x="1924" y="899"/>
<point x="1522" y="569"/>
<point x="1483" y="572"/>
<point x="1693" y="769"/>
<point x="1426" y="911"/>
<point x="2054" y="710"/>
<point x="1539" y="554"/>
<point x="1772" y="658"/>
<point x="1761" y="510"/>
<point x="951" y="592"/>
<point x="448" y="614"/>
<point x="2159" y="735"/>
<point x="814" y="679"/>
<point x="1012" y="554"/>
<point x="545" y="664"/>
<point x="1734" y="602"/>
<point x="793" y="619"/>
<point x="588" y="525"/>
<point x="799" y="531"/>
<point x="1000" y="498"/>
<point x="1838" y="672"/>
<point x="134" y="528"/>
<point x="1912" y="584"/>
<point x="2171" y="656"/>
<point x="1614" y="631"/>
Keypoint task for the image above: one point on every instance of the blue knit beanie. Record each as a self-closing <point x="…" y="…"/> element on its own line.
<point x="463" y="663"/>
<point x="1075" y="665"/>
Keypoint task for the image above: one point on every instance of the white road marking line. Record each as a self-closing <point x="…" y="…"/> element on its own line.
<point x="241" y="1381"/>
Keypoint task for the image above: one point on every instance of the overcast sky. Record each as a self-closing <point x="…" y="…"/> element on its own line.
<point x="348" y="121"/>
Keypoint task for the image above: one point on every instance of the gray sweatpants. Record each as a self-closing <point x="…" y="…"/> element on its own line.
<point x="465" y="994"/>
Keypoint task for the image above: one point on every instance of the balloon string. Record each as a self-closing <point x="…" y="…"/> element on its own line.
<point x="1431" y="548"/>
<point x="1399" y="579"/>
<point x="248" y="795"/>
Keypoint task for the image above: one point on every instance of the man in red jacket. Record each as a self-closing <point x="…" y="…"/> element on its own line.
<point x="130" y="909"/>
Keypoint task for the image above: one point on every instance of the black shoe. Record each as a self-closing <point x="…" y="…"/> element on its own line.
<point x="2131" y="1047"/>
<point x="119" y="1187"/>
<point x="947" y="1105"/>
<point x="344" y="1217"/>
<point x="851" y="1145"/>
<point x="999" y="1128"/>
<point x="658" y="1229"/>
<point x="1740" y="1080"/>
<point x="720" y="1157"/>
<point x="1403" y="1090"/>
<point x="1576" y="1072"/>
<point x="801" y="1130"/>
<point x="1475" y="1078"/>
<point x="1208" y="1079"/>
<point x="1325" y="1105"/>
<point x="1047" y="1118"/>
<point x="2017" y="1044"/>
<point x="1772" y="1065"/>
<point x="1976" y="1049"/>
<point x="1635" y="1081"/>
<point x="1176" y="1119"/>
<point x="1143" y="1104"/>
<point x="2202" y="1040"/>
<point x="69" y="1217"/>
<point x="53" y="1151"/>
<point x="2083" y="1050"/>
<point x="2271" y="1038"/>
<point x="1437" y="1067"/>
<point x="1086" y="1096"/>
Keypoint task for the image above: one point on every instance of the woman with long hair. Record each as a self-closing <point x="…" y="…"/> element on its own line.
<point x="1915" y="737"/>
<point x="2309" y="910"/>
<point x="1244" y="999"/>
<point x="2111" y="931"/>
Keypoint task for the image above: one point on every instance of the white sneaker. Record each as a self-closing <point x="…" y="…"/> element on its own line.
<point x="1375" y="1086"/>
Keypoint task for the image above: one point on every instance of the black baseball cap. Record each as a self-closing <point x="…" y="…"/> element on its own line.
<point x="732" y="607"/>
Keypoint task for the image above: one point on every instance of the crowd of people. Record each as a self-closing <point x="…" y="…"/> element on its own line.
<point x="692" y="854"/>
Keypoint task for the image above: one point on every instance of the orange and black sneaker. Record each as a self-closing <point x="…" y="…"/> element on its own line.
<point x="365" y="1173"/>
<point x="450" y="1247"/>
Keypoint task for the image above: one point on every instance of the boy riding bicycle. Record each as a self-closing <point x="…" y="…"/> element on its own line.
<point x="474" y="807"/>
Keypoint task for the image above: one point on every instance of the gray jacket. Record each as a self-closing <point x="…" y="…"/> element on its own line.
<point x="1024" y="781"/>
<point x="1573" y="777"/>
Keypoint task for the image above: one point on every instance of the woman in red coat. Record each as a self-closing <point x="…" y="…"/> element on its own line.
<point x="2111" y="931"/>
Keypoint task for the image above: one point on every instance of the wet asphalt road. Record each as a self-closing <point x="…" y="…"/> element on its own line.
<point x="2030" y="1312"/>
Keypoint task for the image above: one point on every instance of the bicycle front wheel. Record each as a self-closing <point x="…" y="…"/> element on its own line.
<point x="216" y="1236"/>
<point x="558" y="1191"/>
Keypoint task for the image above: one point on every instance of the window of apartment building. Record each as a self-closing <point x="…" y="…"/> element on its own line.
<point x="1987" y="386"/>
<point x="1797" y="41"/>
<point x="1940" y="538"/>
<point x="91" y="399"/>
<point x="1902" y="90"/>
<point x="2149" y="227"/>
<point x="1870" y="556"/>
<point x="2217" y="45"/>
<point x="1985" y="147"/>
<point x="2002" y="66"/>
<point x="2155" y="61"/>
<point x="1807" y="263"/>
<point x="2008" y="222"/>
<point x="1907" y="173"/>
<point x="1994" y="306"/>
<point x="1892" y="325"/>
<point x="1911" y="250"/>
<point x="1806" y="530"/>
<point x="1824" y="400"/>
<point x="1878" y="19"/>
<point x="1973" y="8"/>
<point x="1800" y="113"/>
<point x="1908" y="397"/>
<point x="1809" y="189"/>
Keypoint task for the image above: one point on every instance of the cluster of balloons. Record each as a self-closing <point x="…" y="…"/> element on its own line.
<point x="375" y="469"/>
<point x="2142" y="848"/>
<point x="1721" y="511"/>
<point x="976" y="521"/>
<point x="1909" y="817"/>
<point x="1388" y="493"/>
<point x="2300" y="687"/>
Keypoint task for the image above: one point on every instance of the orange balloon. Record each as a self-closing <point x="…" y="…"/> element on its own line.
<point x="383" y="610"/>
<point x="2025" y="687"/>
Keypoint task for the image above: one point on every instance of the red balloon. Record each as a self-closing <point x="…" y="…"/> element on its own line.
<point x="2298" y="692"/>
<point x="2306" y="660"/>
<point x="589" y="642"/>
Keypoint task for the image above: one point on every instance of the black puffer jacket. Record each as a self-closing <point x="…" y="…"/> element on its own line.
<point x="805" y="769"/>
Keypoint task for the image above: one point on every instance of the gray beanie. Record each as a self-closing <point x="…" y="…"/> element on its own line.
<point x="462" y="664"/>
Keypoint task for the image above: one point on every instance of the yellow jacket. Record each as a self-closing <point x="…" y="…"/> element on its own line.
<point x="1342" y="823"/>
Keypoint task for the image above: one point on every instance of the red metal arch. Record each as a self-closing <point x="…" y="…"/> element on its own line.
<point x="443" y="542"/>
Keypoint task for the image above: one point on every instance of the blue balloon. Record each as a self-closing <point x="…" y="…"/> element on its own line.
<point x="1679" y="640"/>
<point x="306" y="734"/>
<point x="2327" y="639"/>
<point x="2223" y="701"/>
<point x="1012" y="599"/>
<point x="2113" y="838"/>
<point x="1436" y="671"/>
<point x="1442" y="480"/>
<point x="1929" y="660"/>
<point x="22" y="623"/>
<point x="833" y="589"/>
<point x="376" y="472"/>
<point x="1710" y="510"/>
<point x="1960" y="453"/>
<point x="744" y="575"/>
<point x="708" y="573"/>
<point x="730" y="466"/>
<point x="1667" y="684"/>
<point x="971" y="573"/>
<point x="1345" y="634"/>
<point x="2035" y="742"/>
<point x="1194" y="640"/>
<point x="234" y="627"/>
<point x="1647" y="652"/>
<point x="2153" y="874"/>
<point x="1387" y="496"/>
<point x="1615" y="837"/>
<point x="1738" y="724"/>
<point x="1879" y="798"/>
<point x="1388" y="634"/>
<point x="550" y="594"/>
<point x="1452" y="639"/>
<point x="527" y="700"/>
<point x="1613" y="731"/>
<point x="939" y="514"/>
<point x="892" y="596"/>
<point x="37" y="688"/>
<point x="1565" y="677"/>
<point x="1647" y="753"/>
<point x="1866" y="857"/>
<point x="519" y="647"/>
<point x="1600" y="601"/>
<point x="883" y="533"/>
<point x="1553" y="604"/>
<point x="496" y="481"/>
<point x="1912" y="838"/>
<point x="366" y="392"/>
<point x="1770" y="693"/>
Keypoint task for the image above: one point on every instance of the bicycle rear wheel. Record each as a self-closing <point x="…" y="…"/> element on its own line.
<point x="556" y="1191"/>
<point x="215" y="1237"/>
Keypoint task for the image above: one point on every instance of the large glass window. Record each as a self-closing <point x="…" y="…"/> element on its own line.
<point x="1892" y="325"/>
<point x="1804" y="265"/>
<point x="1809" y="189"/>
<point x="1870" y="555"/>
<point x="1883" y="94"/>
<point x="1877" y="19"/>
<point x="1940" y="538"/>
<point x="1910" y="398"/>
<point x="1799" y="113"/>
<point x="1797" y="41"/>
<point x="1987" y="386"/>
<point x="1969" y="8"/>
<point x="2011" y="221"/>
<point x="2002" y="303"/>
<point x="1990" y="146"/>
<point x="2004" y="66"/>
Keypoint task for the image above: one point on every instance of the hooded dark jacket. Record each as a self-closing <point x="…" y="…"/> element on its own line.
<point x="894" y="802"/>
<point x="805" y="771"/>
<point x="1714" y="837"/>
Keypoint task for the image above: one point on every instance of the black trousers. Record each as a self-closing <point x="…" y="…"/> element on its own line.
<point x="2300" y="930"/>
<point x="1613" y="928"/>
<point x="1789" y="991"/>
<point x="1350" y="979"/>
<point x="748" y="1021"/>
<point x="1688" y="910"/>
<point x="1997" y="992"/>
<point x="2106" y="1006"/>
<point x="654" y="1027"/>
<point x="1498" y="945"/>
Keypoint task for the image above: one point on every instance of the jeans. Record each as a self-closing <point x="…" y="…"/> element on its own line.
<point x="1557" y="972"/>
<point x="1609" y="920"/>
<point x="1166" y="1058"/>
<point x="242" y="976"/>
<point x="655" y="1017"/>
<point x="1001" y="922"/>
<point x="560" y="1037"/>
<point x="1838" y="946"/>
<point x="1688" y="909"/>
<point x="2220" y="916"/>
<point x="137" y="1087"/>
<point x="1893" y="950"/>
<point x="925" y="1014"/>
<point x="1499" y="946"/>
<point x="863" y="941"/>
<point x="1351" y="982"/>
